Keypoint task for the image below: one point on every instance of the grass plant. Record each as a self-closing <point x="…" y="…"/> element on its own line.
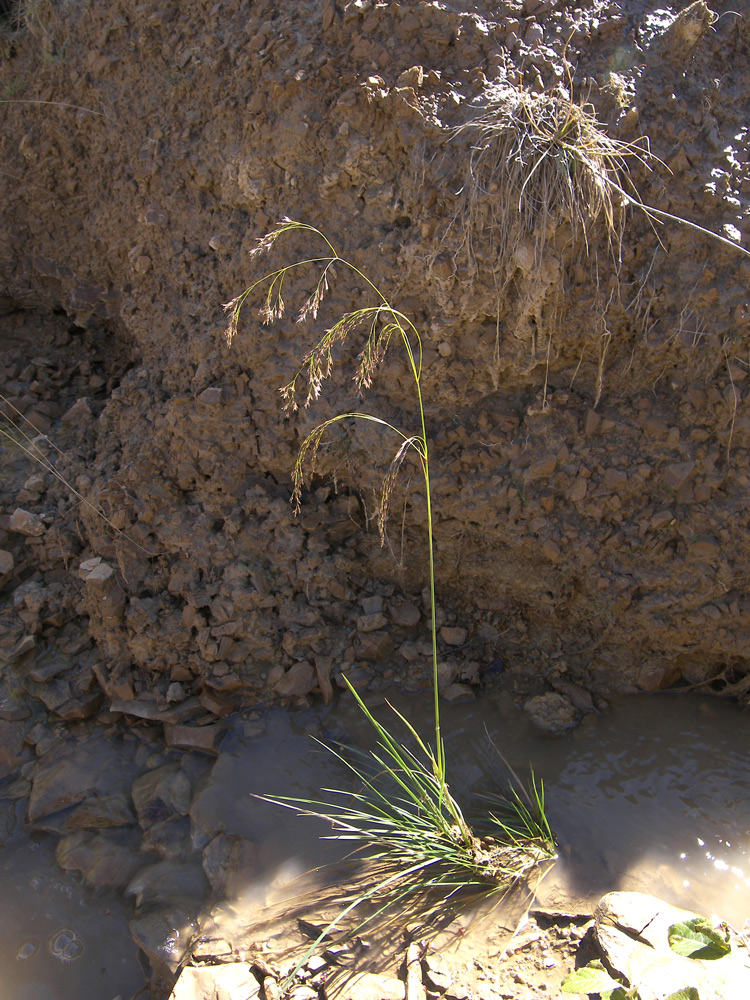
<point x="539" y="161"/>
<point x="419" y="849"/>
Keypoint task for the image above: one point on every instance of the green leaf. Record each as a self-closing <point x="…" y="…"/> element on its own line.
<point x="696" y="938"/>
<point x="592" y="978"/>
<point x="686" y="993"/>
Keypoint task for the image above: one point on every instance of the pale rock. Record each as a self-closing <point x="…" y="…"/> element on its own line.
<point x="22" y="647"/>
<point x="100" y="574"/>
<point x="454" y="694"/>
<point x="412" y="77"/>
<point x="437" y="980"/>
<point x="371" y="623"/>
<point x="551" y="712"/>
<point x="453" y="635"/>
<point x="87" y="565"/>
<point x="303" y="993"/>
<point x="26" y="523"/>
<point x="175" y="692"/>
<point x="7" y="562"/>
<point x="221" y="243"/>
<point x="369" y="986"/>
<point x="632" y="929"/>
<point x="298" y="681"/>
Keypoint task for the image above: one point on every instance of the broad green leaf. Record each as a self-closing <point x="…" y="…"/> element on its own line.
<point x="686" y="993"/>
<point x="621" y="993"/>
<point x="696" y="938"/>
<point x="592" y="978"/>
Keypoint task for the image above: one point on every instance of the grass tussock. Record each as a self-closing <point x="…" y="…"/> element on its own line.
<point x="542" y="165"/>
<point x="416" y="858"/>
<point x="538" y="162"/>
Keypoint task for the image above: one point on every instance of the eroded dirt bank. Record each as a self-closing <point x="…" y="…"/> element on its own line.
<point x="588" y="415"/>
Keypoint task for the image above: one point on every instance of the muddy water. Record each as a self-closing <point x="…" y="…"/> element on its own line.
<point x="59" y="940"/>
<point x="653" y="795"/>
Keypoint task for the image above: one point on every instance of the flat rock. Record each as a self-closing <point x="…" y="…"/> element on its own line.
<point x="146" y="708"/>
<point x="632" y="929"/>
<point x="161" y="794"/>
<point x="7" y="562"/>
<point x="164" y="935"/>
<point x="230" y="863"/>
<point x="369" y="986"/>
<point x="104" y="859"/>
<point x="88" y="782"/>
<point x="202" y="738"/>
<point x="234" y="981"/>
<point x="47" y="668"/>
<point x="167" y="883"/>
<point x="95" y="813"/>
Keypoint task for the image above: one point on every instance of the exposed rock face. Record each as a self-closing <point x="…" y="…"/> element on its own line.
<point x="588" y="410"/>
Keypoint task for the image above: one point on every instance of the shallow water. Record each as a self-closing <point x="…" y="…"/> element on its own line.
<point x="653" y="795"/>
<point x="58" y="939"/>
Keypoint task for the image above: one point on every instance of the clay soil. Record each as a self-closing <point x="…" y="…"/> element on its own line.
<point x="586" y="393"/>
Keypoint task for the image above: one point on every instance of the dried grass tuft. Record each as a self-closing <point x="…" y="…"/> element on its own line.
<point x="537" y="162"/>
